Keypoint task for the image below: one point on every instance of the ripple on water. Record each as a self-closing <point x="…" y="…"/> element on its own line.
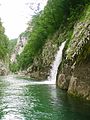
<point x="26" y="100"/>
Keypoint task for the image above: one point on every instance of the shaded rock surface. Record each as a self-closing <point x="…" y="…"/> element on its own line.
<point x="42" y="63"/>
<point x="21" y="42"/>
<point x="74" y="72"/>
<point x="62" y="82"/>
<point x="3" y="69"/>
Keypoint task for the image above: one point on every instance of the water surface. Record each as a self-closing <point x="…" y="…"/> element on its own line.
<point x="26" y="100"/>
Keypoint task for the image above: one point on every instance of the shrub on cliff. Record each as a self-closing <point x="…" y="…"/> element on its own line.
<point x="47" y="22"/>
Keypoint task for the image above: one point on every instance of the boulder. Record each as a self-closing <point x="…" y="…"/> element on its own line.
<point x="62" y="82"/>
<point x="79" y="88"/>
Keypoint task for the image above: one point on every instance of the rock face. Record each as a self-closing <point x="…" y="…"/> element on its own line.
<point x="41" y="66"/>
<point x="74" y="72"/>
<point x="80" y="81"/>
<point x="21" y="42"/>
<point x="62" y="82"/>
<point x="3" y="69"/>
<point x="79" y="88"/>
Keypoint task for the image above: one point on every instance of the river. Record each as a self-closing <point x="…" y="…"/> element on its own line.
<point x="22" y="99"/>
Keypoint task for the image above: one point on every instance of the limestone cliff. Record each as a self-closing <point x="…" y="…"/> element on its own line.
<point x="21" y="42"/>
<point x="42" y="63"/>
<point x="74" y="72"/>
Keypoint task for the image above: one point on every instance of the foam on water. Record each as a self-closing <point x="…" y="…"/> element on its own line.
<point x="56" y="63"/>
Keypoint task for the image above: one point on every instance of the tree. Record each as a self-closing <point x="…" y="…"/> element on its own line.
<point x="44" y="24"/>
<point x="3" y="42"/>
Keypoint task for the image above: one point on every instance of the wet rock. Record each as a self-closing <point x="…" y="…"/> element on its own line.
<point x="62" y="82"/>
<point x="72" y="85"/>
<point x="79" y="88"/>
<point x="42" y="63"/>
<point x="76" y="64"/>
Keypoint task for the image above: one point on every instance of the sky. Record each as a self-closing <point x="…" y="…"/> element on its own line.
<point x="16" y="13"/>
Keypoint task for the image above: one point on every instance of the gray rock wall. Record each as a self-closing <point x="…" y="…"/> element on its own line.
<point x="42" y="63"/>
<point x="74" y="73"/>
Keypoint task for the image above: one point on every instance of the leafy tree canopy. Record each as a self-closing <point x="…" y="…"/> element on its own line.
<point x="46" y="23"/>
<point x="3" y="42"/>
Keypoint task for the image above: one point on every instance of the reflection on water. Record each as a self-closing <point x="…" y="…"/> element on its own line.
<point x="26" y="100"/>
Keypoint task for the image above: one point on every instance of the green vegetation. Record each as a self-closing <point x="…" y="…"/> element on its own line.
<point x="14" y="67"/>
<point x="12" y="44"/>
<point x="57" y="15"/>
<point x="58" y="18"/>
<point x="4" y="42"/>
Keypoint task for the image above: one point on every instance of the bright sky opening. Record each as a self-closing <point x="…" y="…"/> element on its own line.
<point x="16" y="13"/>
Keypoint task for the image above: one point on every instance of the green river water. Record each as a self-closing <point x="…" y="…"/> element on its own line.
<point x="22" y="99"/>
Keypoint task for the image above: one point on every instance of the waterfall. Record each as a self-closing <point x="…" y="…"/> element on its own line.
<point x="56" y="63"/>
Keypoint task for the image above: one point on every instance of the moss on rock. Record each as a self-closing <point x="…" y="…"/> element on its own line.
<point x="76" y="61"/>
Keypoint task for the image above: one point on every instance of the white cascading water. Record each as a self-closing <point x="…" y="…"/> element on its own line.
<point x="56" y="63"/>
